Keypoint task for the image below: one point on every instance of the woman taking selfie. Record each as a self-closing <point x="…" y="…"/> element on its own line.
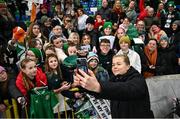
<point x="127" y="91"/>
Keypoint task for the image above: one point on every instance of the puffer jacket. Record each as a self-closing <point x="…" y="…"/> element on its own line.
<point x="40" y="80"/>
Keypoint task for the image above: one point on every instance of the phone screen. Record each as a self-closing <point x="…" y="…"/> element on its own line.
<point x="82" y="64"/>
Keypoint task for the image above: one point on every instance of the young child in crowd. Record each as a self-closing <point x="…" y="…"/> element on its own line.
<point x="29" y="76"/>
<point x="55" y="81"/>
<point x="100" y="73"/>
<point x="54" y="75"/>
<point x="72" y="49"/>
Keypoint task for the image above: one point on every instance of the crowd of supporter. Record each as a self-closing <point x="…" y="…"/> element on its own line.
<point x="46" y="49"/>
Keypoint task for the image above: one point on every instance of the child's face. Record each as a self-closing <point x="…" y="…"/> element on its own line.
<point x="93" y="63"/>
<point x="47" y="23"/>
<point x="155" y="28"/>
<point x="30" y="69"/>
<point x="107" y="31"/>
<point x="98" y="17"/>
<point x="120" y="33"/>
<point x="126" y="23"/>
<point x="163" y="43"/>
<point x="38" y="45"/>
<point x="124" y="46"/>
<point x="174" y="26"/>
<point x="57" y="30"/>
<point x="58" y="43"/>
<point x="86" y="40"/>
<point x="31" y="55"/>
<point x="72" y="50"/>
<point x="3" y="76"/>
<point x="74" y="39"/>
<point x="53" y="63"/>
<point x="89" y="27"/>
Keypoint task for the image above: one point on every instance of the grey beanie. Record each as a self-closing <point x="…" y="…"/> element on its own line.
<point x="177" y="22"/>
<point x="164" y="37"/>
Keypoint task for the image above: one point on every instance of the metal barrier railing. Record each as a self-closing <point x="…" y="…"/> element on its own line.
<point x="12" y="110"/>
<point x="11" y="107"/>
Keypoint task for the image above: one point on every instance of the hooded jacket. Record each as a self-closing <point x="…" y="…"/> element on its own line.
<point x="128" y="95"/>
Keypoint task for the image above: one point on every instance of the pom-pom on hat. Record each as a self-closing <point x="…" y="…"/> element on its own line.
<point x="19" y="34"/>
<point x="92" y="55"/>
<point x="107" y="25"/>
<point x="125" y="39"/>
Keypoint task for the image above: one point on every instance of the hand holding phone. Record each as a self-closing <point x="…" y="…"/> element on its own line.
<point x="82" y="64"/>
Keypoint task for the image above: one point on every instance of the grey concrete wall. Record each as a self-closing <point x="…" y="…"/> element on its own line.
<point x="162" y="90"/>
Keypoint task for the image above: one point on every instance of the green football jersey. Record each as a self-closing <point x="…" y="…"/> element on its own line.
<point x="42" y="102"/>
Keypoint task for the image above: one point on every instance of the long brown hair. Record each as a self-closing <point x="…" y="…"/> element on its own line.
<point x="31" y="35"/>
<point x="27" y="82"/>
<point x="115" y="9"/>
<point x="47" y="67"/>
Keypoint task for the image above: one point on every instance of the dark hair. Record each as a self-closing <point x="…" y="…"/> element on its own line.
<point x="81" y="9"/>
<point x="67" y="16"/>
<point x="30" y="31"/>
<point x="47" y="67"/>
<point x="154" y="40"/>
<point x="54" y="37"/>
<point x="104" y="41"/>
<point x="33" y="42"/>
<point x="125" y="58"/>
<point x="84" y="36"/>
<point x="58" y="3"/>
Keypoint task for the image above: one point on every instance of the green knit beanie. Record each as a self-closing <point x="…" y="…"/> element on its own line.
<point x="107" y="25"/>
<point x="171" y="4"/>
<point x="37" y="53"/>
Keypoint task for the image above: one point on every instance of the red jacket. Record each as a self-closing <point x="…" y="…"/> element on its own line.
<point x="143" y="11"/>
<point x="98" y="24"/>
<point x="41" y="80"/>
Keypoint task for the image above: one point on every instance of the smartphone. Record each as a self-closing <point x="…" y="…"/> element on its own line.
<point x="82" y="64"/>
